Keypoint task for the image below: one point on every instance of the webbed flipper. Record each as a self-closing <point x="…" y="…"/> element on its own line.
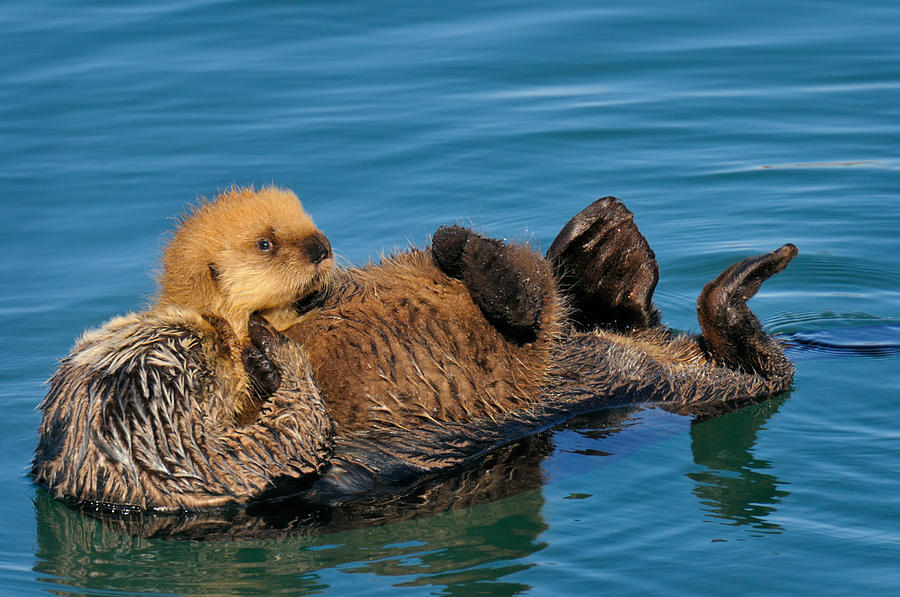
<point x="508" y="282"/>
<point x="731" y="332"/>
<point x="606" y="266"/>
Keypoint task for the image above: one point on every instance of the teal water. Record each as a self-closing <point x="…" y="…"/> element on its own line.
<point x="728" y="128"/>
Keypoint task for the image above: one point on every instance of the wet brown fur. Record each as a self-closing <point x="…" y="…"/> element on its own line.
<point x="140" y="414"/>
<point x="402" y="343"/>
<point x="424" y="362"/>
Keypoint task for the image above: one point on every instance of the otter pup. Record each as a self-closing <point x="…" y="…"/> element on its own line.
<point x="246" y="252"/>
<point x="195" y="402"/>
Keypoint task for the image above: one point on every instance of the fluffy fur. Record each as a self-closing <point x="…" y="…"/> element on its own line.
<point x="401" y="343"/>
<point x="247" y="251"/>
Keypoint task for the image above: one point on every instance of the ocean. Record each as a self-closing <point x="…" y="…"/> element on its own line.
<point x="728" y="128"/>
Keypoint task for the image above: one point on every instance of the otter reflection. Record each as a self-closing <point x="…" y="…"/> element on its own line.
<point x="477" y="525"/>
<point x="444" y="532"/>
<point x="732" y="489"/>
<point x="468" y="545"/>
<point x="722" y="445"/>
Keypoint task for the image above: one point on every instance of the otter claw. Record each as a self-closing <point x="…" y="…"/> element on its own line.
<point x="259" y="356"/>
<point x="263" y="336"/>
<point x="265" y="376"/>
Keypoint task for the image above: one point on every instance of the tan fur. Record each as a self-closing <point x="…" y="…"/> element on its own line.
<point x="660" y="344"/>
<point x="223" y="234"/>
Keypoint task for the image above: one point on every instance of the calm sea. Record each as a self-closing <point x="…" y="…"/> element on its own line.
<point x="729" y="128"/>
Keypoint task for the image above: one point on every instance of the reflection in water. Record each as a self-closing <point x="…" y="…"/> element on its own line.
<point x="439" y="536"/>
<point x="455" y="534"/>
<point x="732" y="488"/>
<point x="450" y="549"/>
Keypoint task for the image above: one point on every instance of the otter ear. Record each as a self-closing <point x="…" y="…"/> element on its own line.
<point x="214" y="272"/>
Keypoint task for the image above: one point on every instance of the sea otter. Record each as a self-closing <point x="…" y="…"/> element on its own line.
<point x="181" y="406"/>
<point x="421" y="363"/>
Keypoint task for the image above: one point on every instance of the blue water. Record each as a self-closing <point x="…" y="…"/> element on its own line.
<point x="729" y="128"/>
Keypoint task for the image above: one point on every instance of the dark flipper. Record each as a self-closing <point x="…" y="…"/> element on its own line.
<point x="509" y="283"/>
<point x="607" y="267"/>
<point x="731" y="332"/>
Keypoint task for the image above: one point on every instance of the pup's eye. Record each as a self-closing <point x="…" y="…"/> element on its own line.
<point x="264" y="245"/>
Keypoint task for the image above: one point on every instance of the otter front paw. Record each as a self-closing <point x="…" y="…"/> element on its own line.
<point x="507" y="282"/>
<point x="258" y="358"/>
<point x="508" y="285"/>
<point x="447" y="246"/>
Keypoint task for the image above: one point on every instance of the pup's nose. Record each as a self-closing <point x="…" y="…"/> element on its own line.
<point x="317" y="247"/>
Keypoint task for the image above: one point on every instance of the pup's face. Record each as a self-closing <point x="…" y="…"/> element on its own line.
<point x="273" y="257"/>
<point x="245" y="251"/>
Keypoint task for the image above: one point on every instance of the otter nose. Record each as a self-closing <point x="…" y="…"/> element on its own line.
<point x="317" y="247"/>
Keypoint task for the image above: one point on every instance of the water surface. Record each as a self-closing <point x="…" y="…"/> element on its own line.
<point x="728" y="128"/>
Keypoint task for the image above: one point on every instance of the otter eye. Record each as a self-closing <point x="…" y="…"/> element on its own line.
<point x="264" y="245"/>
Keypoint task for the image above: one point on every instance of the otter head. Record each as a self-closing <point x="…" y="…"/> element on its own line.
<point x="246" y="251"/>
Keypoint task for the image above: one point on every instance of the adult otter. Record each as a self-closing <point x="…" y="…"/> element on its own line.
<point x="425" y="361"/>
<point x="150" y="409"/>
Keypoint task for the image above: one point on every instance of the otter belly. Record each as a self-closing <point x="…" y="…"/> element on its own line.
<point x="402" y="343"/>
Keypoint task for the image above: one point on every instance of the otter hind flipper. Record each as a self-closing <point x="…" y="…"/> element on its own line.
<point x="731" y="332"/>
<point x="607" y="267"/>
<point x="508" y="282"/>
